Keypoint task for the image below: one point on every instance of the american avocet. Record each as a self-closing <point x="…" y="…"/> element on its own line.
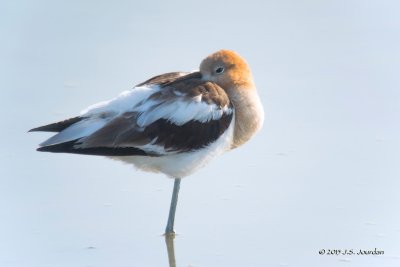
<point x="173" y="123"/>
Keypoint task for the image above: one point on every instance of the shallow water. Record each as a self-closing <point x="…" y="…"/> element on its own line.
<point x="323" y="174"/>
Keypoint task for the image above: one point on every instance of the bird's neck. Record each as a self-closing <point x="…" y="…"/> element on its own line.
<point x="249" y="115"/>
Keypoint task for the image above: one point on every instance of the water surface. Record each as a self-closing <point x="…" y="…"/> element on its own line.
<point x="322" y="174"/>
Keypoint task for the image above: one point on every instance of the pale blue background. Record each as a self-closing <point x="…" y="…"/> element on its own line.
<point x="323" y="173"/>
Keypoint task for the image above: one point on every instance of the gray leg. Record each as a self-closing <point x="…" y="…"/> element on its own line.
<point x="174" y="201"/>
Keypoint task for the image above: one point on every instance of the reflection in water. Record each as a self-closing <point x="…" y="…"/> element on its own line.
<point x="169" y="240"/>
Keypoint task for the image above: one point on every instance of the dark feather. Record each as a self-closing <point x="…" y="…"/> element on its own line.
<point x="163" y="78"/>
<point x="190" y="136"/>
<point x="58" y="126"/>
<point x="68" y="147"/>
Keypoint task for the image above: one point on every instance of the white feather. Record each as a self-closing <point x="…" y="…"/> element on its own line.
<point x="151" y="148"/>
<point x="77" y="130"/>
<point x="125" y="101"/>
<point x="179" y="112"/>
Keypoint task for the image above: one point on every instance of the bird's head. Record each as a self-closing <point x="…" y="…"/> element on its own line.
<point x="228" y="69"/>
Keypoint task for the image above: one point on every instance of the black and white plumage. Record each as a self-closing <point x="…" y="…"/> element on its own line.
<point x="159" y="119"/>
<point x="173" y="123"/>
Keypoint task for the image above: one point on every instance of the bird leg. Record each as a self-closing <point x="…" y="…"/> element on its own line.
<point x="174" y="201"/>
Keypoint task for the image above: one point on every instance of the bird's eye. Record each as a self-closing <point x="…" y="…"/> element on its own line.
<point x="219" y="70"/>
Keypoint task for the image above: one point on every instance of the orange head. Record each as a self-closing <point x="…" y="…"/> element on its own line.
<point x="227" y="69"/>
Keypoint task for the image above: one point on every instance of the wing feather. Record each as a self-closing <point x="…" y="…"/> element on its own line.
<point x="58" y="126"/>
<point x="172" y="114"/>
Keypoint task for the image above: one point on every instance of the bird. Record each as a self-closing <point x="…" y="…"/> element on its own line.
<point x="173" y="123"/>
